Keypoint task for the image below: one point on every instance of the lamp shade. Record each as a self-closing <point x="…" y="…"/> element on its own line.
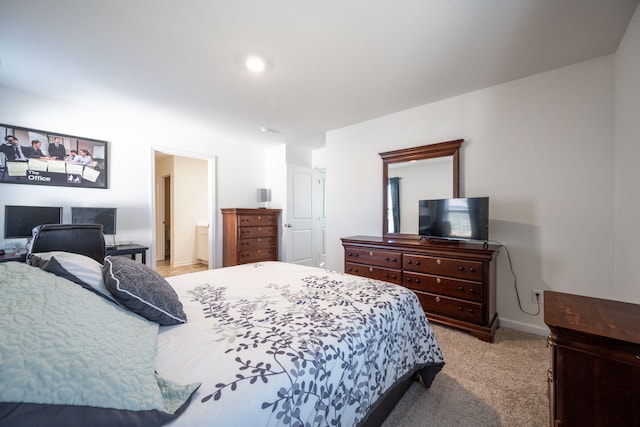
<point x="264" y="195"/>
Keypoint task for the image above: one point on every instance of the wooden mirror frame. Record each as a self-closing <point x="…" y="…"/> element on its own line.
<point x="431" y="151"/>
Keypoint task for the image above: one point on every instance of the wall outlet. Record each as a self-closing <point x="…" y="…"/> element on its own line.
<point x="537" y="296"/>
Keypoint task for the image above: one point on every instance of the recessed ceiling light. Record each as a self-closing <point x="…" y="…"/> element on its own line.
<point x="265" y="129"/>
<point x="255" y="64"/>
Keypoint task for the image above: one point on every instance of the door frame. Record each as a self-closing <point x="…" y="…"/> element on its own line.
<point x="211" y="204"/>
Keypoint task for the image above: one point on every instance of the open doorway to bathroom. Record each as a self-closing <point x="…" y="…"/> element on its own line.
<point x="184" y="238"/>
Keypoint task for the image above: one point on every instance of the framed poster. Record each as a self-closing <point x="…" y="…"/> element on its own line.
<point x="37" y="157"/>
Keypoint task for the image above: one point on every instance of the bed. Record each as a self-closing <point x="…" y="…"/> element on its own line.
<point x="265" y="344"/>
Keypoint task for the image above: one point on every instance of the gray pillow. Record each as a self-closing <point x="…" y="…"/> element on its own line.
<point x="80" y="269"/>
<point x="142" y="290"/>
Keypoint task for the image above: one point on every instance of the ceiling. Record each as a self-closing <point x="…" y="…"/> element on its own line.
<point x="330" y="63"/>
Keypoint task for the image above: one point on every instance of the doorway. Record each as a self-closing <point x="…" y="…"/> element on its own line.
<point x="181" y="207"/>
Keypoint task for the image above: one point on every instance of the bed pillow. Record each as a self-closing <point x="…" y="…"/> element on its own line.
<point x="80" y="269"/>
<point x="142" y="290"/>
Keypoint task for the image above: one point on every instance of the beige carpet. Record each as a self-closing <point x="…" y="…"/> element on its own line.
<point x="482" y="384"/>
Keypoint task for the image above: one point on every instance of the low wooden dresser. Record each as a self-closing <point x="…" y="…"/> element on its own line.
<point x="249" y="235"/>
<point x="594" y="378"/>
<point x="454" y="280"/>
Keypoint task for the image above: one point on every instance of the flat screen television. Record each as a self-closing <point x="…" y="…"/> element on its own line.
<point x="459" y="219"/>
<point x="104" y="216"/>
<point x="20" y="220"/>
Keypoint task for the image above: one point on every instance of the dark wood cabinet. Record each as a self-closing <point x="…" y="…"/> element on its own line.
<point x="594" y="379"/>
<point x="454" y="281"/>
<point x="249" y="235"/>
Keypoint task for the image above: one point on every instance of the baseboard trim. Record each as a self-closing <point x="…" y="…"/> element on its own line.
<point x="524" y="327"/>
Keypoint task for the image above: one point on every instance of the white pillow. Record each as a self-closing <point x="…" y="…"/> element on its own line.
<point x="80" y="269"/>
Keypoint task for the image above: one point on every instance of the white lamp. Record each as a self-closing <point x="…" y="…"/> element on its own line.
<point x="264" y="197"/>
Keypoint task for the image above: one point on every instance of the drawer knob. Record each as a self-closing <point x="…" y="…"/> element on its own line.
<point x="386" y="274"/>
<point x="417" y="280"/>
<point x="438" y="261"/>
<point x="471" y="310"/>
<point x="409" y="279"/>
<point x="460" y="308"/>
<point x="394" y="260"/>
<point x="370" y="253"/>
<point x="370" y="269"/>
<point x="438" y="280"/>
<point x="394" y="276"/>
<point x="461" y="268"/>
<point x="461" y="288"/>
<point x="472" y="290"/>
<point x="472" y="269"/>
<point x="409" y="262"/>
<point x="417" y="262"/>
<point x="437" y="299"/>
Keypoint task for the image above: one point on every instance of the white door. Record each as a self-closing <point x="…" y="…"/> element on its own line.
<point x="305" y="222"/>
<point x="298" y="224"/>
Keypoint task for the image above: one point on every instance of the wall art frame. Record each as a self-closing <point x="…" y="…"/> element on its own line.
<point x="57" y="160"/>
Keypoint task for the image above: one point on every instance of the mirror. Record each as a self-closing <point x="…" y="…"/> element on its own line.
<point x="412" y="174"/>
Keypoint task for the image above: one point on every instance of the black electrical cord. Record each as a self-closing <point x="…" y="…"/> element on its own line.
<point x="515" y="281"/>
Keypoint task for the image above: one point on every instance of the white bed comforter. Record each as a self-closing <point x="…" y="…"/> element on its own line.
<point x="280" y="344"/>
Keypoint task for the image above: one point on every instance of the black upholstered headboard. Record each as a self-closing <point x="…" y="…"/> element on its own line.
<point x="83" y="239"/>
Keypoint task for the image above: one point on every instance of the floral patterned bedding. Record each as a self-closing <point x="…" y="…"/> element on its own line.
<point x="281" y="344"/>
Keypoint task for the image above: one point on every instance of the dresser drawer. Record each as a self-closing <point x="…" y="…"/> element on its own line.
<point x="450" y="307"/>
<point x="253" y="255"/>
<point x="248" y="232"/>
<point x="257" y="242"/>
<point x="457" y="288"/>
<point x="378" y="273"/>
<point x="256" y="220"/>
<point x="387" y="259"/>
<point x="440" y="266"/>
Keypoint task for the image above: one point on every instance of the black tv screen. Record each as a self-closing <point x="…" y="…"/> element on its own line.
<point x="20" y="220"/>
<point x="104" y="216"/>
<point x="460" y="218"/>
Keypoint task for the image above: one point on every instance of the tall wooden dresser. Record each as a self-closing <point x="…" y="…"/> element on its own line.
<point x="249" y="235"/>
<point x="454" y="281"/>
<point x="594" y="378"/>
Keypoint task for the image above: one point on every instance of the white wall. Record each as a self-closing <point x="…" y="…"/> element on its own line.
<point x="131" y="131"/>
<point x="627" y="160"/>
<point x="541" y="148"/>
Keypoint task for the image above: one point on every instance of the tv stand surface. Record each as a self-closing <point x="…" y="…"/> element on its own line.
<point x="455" y="282"/>
<point x="130" y="249"/>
